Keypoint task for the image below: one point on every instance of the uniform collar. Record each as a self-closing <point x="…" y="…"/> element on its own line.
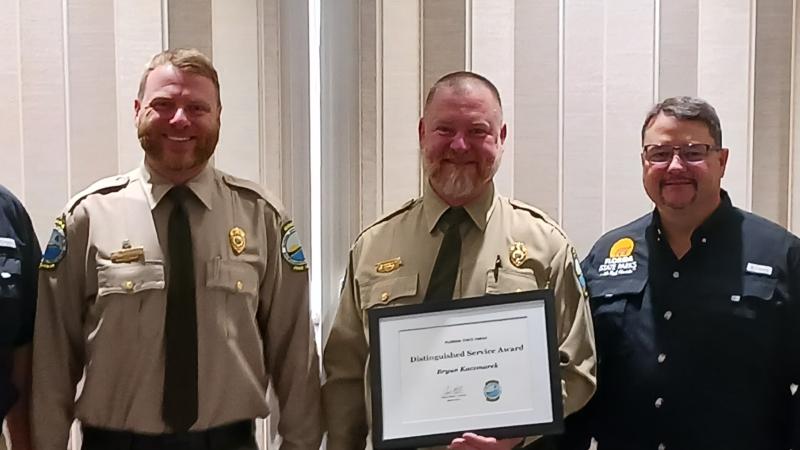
<point x="479" y="210"/>
<point x="156" y="186"/>
<point x="713" y="225"/>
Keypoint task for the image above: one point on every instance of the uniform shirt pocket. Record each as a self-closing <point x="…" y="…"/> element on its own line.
<point x="238" y="284"/>
<point x="504" y="281"/>
<point x="397" y="290"/>
<point x="123" y="293"/>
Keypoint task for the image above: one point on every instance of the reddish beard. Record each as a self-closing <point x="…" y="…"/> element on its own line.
<point x="150" y="140"/>
<point x="459" y="183"/>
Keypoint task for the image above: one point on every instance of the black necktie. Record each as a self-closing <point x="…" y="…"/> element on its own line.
<point x="445" y="269"/>
<point x="180" y="325"/>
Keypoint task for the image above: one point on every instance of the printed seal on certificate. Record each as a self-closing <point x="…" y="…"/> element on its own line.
<point x="487" y="365"/>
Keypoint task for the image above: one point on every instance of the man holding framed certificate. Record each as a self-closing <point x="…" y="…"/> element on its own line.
<point x="460" y="239"/>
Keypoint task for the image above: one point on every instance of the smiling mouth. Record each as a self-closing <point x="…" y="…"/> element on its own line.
<point x="678" y="183"/>
<point x="178" y="138"/>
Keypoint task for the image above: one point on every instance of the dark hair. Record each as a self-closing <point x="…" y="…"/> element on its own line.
<point x="457" y="78"/>
<point x="687" y="108"/>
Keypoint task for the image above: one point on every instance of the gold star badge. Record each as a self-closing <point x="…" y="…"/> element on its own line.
<point x="238" y="240"/>
<point x="518" y="253"/>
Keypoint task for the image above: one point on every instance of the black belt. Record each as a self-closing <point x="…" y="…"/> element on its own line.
<point x="224" y="437"/>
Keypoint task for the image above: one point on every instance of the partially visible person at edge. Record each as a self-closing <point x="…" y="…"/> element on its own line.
<point x="19" y="259"/>
<point x="461" y="136"/>
<point x="179" y="290"/>
<point x="696" y="307"/>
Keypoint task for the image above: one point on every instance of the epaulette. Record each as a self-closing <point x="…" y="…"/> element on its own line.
<point x="241" y="183"/>
<point x="102" y="186"/>
<point x="538" y="213"/>
<point x="403" y="208"/>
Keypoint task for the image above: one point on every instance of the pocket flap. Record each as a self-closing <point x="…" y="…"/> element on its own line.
<point x="759" y="286"/>
<point x="386" y="290"/>
<point x="129" y="278"/>
<point x="606" y="287"/>
<point x="509" y="281"/>
<point x="232" y="276"/>
<point x="10" y="266"/>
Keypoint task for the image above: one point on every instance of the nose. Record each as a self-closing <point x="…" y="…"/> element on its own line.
<point x="180" y="118"/>
<point x="676" y="164"/>
<point x="458" y="142"/>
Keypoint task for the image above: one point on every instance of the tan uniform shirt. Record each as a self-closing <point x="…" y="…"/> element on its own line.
<point x="411" y="234"/>
<point x="106" y="318"/>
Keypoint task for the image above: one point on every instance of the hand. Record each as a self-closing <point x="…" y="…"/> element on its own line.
<point x="471" y="441"/>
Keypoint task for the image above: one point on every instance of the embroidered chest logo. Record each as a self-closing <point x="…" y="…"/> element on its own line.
<point x="620" y="259"/>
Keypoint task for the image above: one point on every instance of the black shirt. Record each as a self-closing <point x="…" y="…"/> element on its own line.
<point x="19" y="260"/>
<point x="696" y="353"/>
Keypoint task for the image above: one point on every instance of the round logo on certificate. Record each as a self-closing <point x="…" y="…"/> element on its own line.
<point x="492" y="390"/>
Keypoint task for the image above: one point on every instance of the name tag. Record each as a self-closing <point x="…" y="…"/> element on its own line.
<point x="7" y="243"/>
<point x="759" y="269"/>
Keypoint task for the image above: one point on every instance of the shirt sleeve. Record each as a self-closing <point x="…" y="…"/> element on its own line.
<point x="792" y="328"/>
<point x="576" y="344"/>
<point x="345" y="360"/>
<point x="30" y="255"/>
<point x="289" y="345"/>
<point x="58" y="350"/>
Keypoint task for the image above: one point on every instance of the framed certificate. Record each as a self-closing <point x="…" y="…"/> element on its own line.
<point x="487" y="365"/>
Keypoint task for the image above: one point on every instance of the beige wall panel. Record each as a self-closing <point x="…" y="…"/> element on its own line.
<point x="92" y="92"/>
<point x="44" y="118"/>
<point x="400" y="61"/>
<point x="492" y="44"/>
<point x="11" y="151"/>
<point x="444" y="39"/>
<point x="371" y="91"/>
<point x="629" y="76"/>
<point x="677" y="48"/>
<point x="191" y="23"/>
<point x="584" y="154"/>
<point x="270" y="96"/>
<point x="772" y="106"/>
<point x="724" y="80"/>
<point x="537" y="162"/>
<point x="138" y="35"/>
<point x="794" y="205"/>
<point x="235" y="48"/>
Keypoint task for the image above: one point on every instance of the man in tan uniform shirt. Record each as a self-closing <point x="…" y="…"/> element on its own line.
<point x="104" y="292"/>
<point x="507" y="246"/>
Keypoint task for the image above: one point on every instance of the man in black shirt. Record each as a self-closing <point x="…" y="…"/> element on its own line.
<point x="696" y="308"/>
<point x="19" y="259"/>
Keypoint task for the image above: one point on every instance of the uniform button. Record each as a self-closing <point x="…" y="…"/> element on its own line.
<point x="676" y="274"/>
<point x="661" y="358"/>
<point x="668" y="315"/>
<point x="239" y="285"/>
<point x="662" y="447"/>
<point x="384" y="296"/>
<point x="128" y="285"/>
<point x="659" y="402"/>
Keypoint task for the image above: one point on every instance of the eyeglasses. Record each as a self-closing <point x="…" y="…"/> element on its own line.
<point x="663" y="153"/>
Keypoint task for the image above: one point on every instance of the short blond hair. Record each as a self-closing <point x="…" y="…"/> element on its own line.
<point x="186" y="59"/>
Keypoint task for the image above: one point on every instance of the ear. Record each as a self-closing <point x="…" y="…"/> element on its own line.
<point x="503" y="133"/>
<point x="723" y="161"/>
<point x="421" y="130"/>
<point x="137" y="106"/>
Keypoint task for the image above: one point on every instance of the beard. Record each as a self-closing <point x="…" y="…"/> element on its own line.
<point x="150" y="138"/>
<point x="459" y="183"/>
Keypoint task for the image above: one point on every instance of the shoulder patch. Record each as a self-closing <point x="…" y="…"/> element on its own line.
<point x="104" y="185"/>
<point x="56" y="246"/>
<point x="576" y="265"/>
<point x="291" y="249"/>
<point x="538" y="213"/>
<point x="386" y="217"/>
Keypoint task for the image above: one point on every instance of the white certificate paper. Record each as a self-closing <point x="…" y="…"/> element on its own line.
<point x="466" y="369"/>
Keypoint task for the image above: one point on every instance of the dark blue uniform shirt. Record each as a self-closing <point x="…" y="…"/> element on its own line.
<point x="19" y="260"/>
<point x="696" y="353"/>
